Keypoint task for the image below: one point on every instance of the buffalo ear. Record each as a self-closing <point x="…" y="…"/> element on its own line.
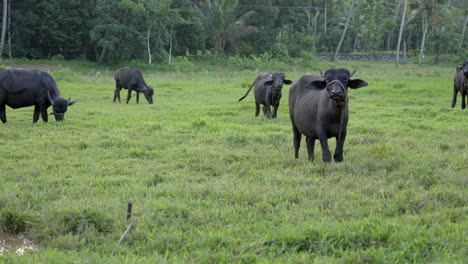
<point x="270" y="82"/>
<point x="71" y="102"/>
<point x="356" y="83"/>
<point x="461" y="65"/>
<point x="318" y="84"/>
<point x="287" y="81"/>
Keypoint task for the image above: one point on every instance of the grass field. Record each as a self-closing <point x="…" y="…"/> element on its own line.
<point x="211" y="183"/>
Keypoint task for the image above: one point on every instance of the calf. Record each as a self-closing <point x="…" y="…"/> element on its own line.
<point x="132" y="79"/>
<point x="460" y="84"/>
<point x="267" y="92"/>
<point x="21" y="88"/>
<point x="318" y="108"/>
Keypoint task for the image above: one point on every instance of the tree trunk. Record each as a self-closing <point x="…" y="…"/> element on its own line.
<point x="4" y="24"/>
<point x="103" y="53"/>
<point x="325" y="23"/>
<point x="397" y="11"/>
<point x="170" y="46"/>
<point x="344" y="30"/>
<point x="9" y="30"/>
<point x="148" y="45"/>
<point x="421" y="51"/>
<point x="404" y="53"/>
<point x="463" y="33"/>
<point x="309" y="18"/>
<point x="395" y="18"/>
<point x="402" y="24"/>
<point x="355" y="42"/>
<point x="218" y="45"/>
<point x="317" y="13"/>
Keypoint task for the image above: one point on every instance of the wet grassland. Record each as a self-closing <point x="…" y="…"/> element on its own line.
<point x="211" y="183"/>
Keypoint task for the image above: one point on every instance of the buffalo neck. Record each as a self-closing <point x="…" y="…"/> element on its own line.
<point x="54" y="93"/>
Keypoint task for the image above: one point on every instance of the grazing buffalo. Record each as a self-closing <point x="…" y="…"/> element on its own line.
<point x="460" y="83"/>
<point x="21" y="88"/>
<point x="318" y="107"/>
<point x="267" y="92"/>
<point x="132" y="79"/>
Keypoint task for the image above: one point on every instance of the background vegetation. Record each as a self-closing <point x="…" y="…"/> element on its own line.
<point x="211" y="183"/>
<point x="155" y="30"/>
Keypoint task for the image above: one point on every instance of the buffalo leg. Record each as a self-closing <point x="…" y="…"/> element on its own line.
<point x="267" y="111"/>
<point x="463" y="100"/>
<point x="326" y="155"/>
<point x="37" y="111"/>
<point x="455" y="92"/>
<point x="310" y="147"/>
<point x="3" y="113"/>
<point x="129" y="94"/>
<point x="338" y="157"/>
<point x="296" y="141"/>
<point x="138" y="97"/>
<point x="275" y="110"/>
<point x="43" y="114"/>
<point x="117" y="92"/>
<point x="257" y="108"/>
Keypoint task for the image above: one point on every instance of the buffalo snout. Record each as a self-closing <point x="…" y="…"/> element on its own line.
<point x="59" y="116"/>
<point x="149" y="92"/>
<point x="336" y="92"/>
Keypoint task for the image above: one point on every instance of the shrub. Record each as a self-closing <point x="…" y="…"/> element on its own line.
<point x="58" y="57"/>
<point x="279" y="51"/>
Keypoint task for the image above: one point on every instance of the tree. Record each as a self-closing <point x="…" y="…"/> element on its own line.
<point x="421" y="50"/>
<point x="221" y="22"/>
<point x="344" y="30"/>
<point x="402" y="24"/>
<point x="463" y="33"/>
<point x="4" y="24"/>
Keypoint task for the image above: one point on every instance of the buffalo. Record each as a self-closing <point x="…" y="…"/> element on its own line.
<point x="318" y="108"/>
<point x="267" y="92"/>
<point x="131" y="78"/>
<point x="460" y="84"/>
<point x="24" y="87"/>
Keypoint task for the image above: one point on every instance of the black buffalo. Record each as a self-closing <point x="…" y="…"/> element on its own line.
<point x="318" y="108"/>
<point x="132" y="79"/>
<point x="267" y="92"/>
<point x="460" y="84"/>
<point x="21" y="88"/>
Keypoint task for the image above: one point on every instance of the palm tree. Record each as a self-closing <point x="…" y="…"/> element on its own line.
<point x="4" y="23"/>
<point x="344" y="30"/>
<point x="221" y="22"/>
<point x="432" y="12"/>
<point x="402" y="24"/>
<point x="463" y="33"/>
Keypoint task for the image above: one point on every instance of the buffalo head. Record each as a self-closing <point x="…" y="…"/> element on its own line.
<point x="60" y="106"/>
<point x="336" y="81"/>
<point x="148" y="92"/>
<point x="278" y="80"/>
<point x="463" y="66"/>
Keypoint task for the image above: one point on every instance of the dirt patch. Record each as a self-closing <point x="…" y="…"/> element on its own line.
<point x="46" y="68"/>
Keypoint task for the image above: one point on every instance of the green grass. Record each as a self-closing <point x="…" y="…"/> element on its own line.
<point x="211" y="183"/>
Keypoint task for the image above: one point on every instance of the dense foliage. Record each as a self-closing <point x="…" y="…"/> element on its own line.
<point x="118" y="30"/>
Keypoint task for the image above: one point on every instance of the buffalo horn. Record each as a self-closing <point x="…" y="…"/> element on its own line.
<point x="50" y="98"/>
<point x="352" y="73"/>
